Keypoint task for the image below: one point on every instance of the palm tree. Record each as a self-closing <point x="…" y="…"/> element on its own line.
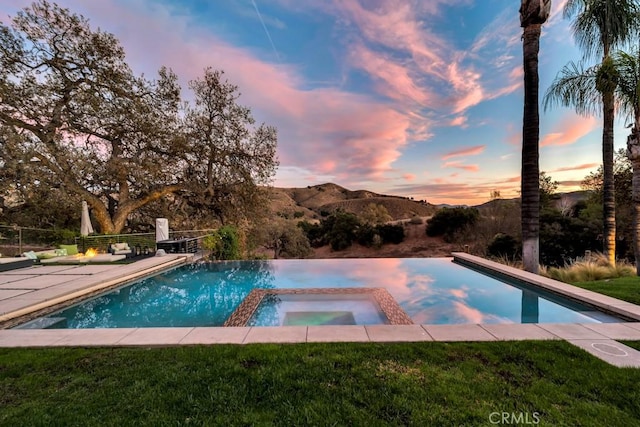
<point x="599" y="26"/>
<point x="533" y="13"/>
<point x="628" y="94"/>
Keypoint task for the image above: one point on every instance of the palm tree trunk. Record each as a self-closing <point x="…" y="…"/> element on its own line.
<point x="609" y="198"/>
<point x="530" y="211"/>
<point x="636" y="215"/>
<point x="633" y="152"/>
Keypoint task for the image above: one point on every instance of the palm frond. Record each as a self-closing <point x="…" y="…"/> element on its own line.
<point x="575" y="86"/>
<point x="628" y="90"/>
<point x="602" y="24"/>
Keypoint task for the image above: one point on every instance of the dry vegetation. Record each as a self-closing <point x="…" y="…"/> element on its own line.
<point x="589" y="268"/>
<point x="415" y="245"/>
<point x="312" y="201"/>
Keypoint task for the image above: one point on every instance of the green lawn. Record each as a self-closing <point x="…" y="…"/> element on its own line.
<point x="624" y="288"/>
<point x="316" y="384"/>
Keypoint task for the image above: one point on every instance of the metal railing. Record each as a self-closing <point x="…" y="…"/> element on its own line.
<point x="15" y="240"/>
<point x="145" y="241"/>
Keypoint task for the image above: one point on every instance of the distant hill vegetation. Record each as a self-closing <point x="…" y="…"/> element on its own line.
<point x="560" y="201"/>
<point x="316" y="201"/>
<point x="319" y="200"/>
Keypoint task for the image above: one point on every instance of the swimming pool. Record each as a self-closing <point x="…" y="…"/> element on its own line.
<point x="429" y="291"/>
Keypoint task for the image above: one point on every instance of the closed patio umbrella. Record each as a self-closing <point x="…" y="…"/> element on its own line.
<point x="85" y="224"/>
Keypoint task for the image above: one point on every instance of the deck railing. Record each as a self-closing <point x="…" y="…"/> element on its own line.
<point x="144" y="241"/>
<point x="14" y="239"/>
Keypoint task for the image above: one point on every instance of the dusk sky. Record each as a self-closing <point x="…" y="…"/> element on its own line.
<point x="419" y="98"/>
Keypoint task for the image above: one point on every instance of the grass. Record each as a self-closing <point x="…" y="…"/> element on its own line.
<point x="316" y="384"/>
<point x="592" y="268"/>
<point x="624" y="288"/>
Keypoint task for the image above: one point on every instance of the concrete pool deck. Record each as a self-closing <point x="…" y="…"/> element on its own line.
<point x="31" y="289"/>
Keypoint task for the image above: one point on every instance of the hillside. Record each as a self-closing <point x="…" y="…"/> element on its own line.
<point x="313" y="201"/>
<point x="560" y="201"/>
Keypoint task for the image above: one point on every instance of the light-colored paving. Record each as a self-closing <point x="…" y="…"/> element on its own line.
<point x="459" y="333"/>
<point x="397" y="333"/>
<point x="525" y="331"/>
<point x="27" y="290"/>
<point x="572" y="331"/>
<point x="228" y="335"/>
<point x="276" y="334"/>
<point x="347" y="333"/>
<point x="597" y="339"/>
<point x="611" y="351"/>
<point x="10" y="293"/>
<point x="616" y="331"/>
<point x="155" y="336"/>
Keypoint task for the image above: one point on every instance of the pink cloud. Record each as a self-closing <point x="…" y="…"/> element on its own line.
<point x="467" y="87"/>
<point x="459" y="165"/>
<point x="460" y="121"/>
<point x="578" y="167"/>
<point x="455" y="192"/>
<point x="409" y="177"/>
<point x="513" y="179"/>
<point x="435" y="73"/>
<point x="348" y="134"/>
<point x="470" y="151"/>
<point x="394" y="80"/>
<point x="569" y="130"/>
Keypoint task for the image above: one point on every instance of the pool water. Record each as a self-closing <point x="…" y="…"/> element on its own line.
<point x="296" y="310"/>
<point x="430" y="291"/>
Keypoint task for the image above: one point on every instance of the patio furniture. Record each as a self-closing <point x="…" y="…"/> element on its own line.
<point x="179" y="246"/>
<point x="120" y="249"/>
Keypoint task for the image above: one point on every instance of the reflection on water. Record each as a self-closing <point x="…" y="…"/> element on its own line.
<point x="431" y="291"/>
<point x="318" y="309"/>
<point x="198" y="294"/>
<point x="530" y="307"/>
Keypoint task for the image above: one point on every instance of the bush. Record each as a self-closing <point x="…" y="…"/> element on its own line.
<point x="285" y="239"/>
<point x="588" y="269"/>
<point x="223" y="243"/>
<point x="448" y="221"/>
<point x="391" y="233"/>
<point x="504" y="245"/>
<point x="375" y="214"/>
<point x="298" y="214"/>
<point x="314" y="233"/>
<point x="365" y="235"/>
<point x="340" y="229"/>
<point x="564" y="238"/>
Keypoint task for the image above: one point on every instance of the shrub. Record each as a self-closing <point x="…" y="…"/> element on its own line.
<point x="448" y="221"/>
<point x="365" y="235"/>
<point x="588" y="269"/>
<point x="340" y="229"/>
<point x="298" y="214"/>
<point x="375" y="214"/>
<point x="564" y="238"/>
<point x="314" y="232"/>
<point x="223" y="243"/>
<point x="391" y="233"/>
<point x="285" y="239"/>
<point x="504" y="245"/>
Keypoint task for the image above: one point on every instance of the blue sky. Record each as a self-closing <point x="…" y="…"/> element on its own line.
<point x="418" y="98"/>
